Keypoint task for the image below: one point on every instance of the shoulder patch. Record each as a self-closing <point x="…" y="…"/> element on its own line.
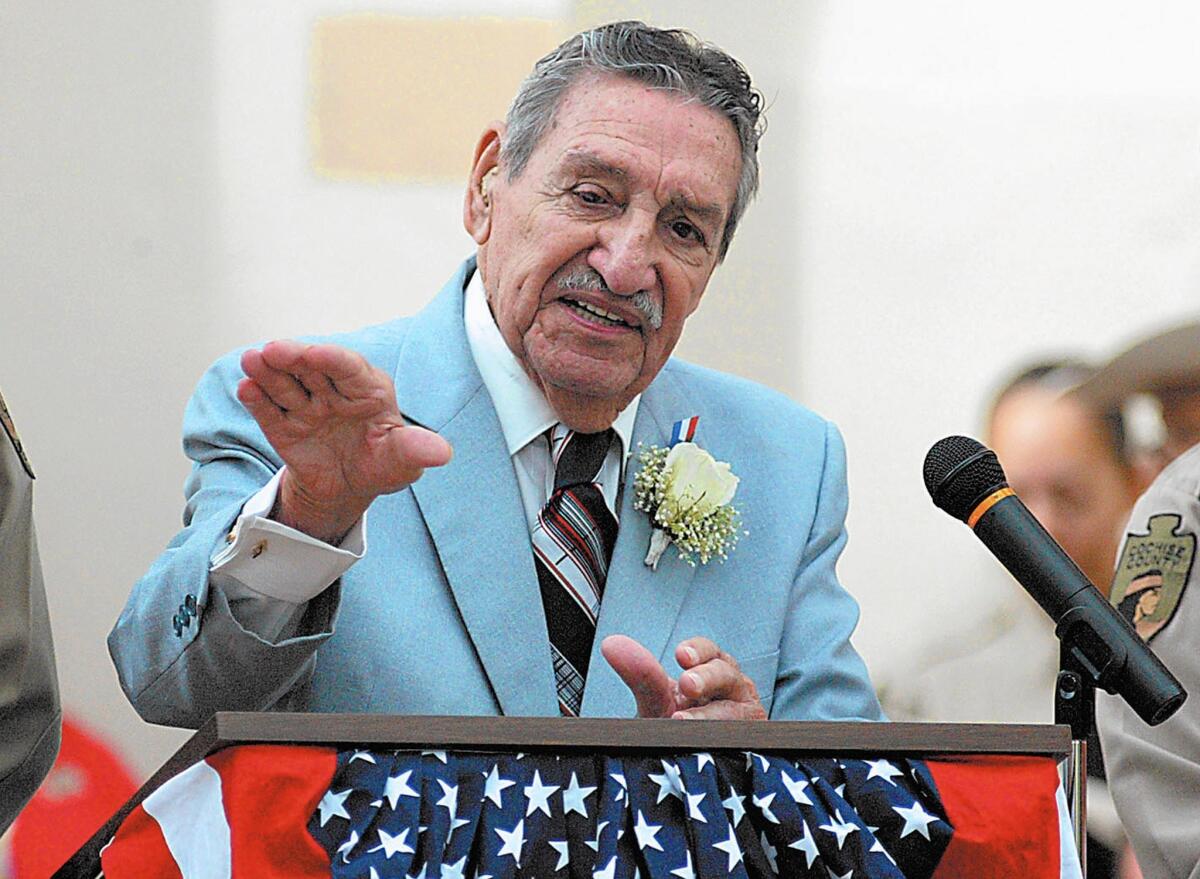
<point x="1152" y="573"/>
<point x="11" y="430"/>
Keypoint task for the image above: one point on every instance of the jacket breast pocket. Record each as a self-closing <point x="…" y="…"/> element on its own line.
<point x="761" y="669"/>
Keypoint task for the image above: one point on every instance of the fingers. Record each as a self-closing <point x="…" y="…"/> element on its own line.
<point x="292" y="374"/>
<point x="723" y="710"/>
<point x="712" y="685"/>
<point x="420" y="448"/>
<point x="280" y="387"/>
<point x="651" y="686"/>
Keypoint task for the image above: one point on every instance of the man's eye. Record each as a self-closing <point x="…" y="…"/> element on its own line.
<point x="590" y="196"/>
<point x="685" y="230"/>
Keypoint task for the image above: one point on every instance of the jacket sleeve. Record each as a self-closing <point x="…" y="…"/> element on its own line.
<point x="820" y="675"/>
<point x="30" y="716"/>
<point x="179" y="649"/>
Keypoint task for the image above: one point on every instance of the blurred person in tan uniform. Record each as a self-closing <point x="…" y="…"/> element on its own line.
<point x="1154" y="772"/>
<point x="30" y="716"/>
<point x="1069" y="464"/>
<point x="1163" y="369"/>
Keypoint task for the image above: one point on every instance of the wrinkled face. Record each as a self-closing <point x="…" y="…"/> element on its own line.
<point x="598" y="252"/>
<point x="1058" y="462"/>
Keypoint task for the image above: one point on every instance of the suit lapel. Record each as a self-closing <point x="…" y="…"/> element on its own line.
<point x="473" y="510"/>
<point x="638" y="601"/>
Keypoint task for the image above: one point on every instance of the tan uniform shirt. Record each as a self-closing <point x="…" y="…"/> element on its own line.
<point x="30" y="716"/>
<point x="1154" y="772"/>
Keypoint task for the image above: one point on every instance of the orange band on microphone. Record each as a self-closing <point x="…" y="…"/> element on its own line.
<point x="987" y="503"/>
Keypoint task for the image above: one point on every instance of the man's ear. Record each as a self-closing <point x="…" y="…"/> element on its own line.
<point x="478" y="200"/>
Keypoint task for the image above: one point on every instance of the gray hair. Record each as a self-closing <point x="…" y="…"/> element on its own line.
<point x="665" y="59"/>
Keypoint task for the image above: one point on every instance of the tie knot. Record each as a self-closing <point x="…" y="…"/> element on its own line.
<point x="577" y="456"/>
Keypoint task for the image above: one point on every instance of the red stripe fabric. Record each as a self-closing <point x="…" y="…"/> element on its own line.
<point x="1005" y="817"/>
<point x="270" y="792"/>
<point x="139" y="851"/>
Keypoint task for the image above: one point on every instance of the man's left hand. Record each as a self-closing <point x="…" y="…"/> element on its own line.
<point x="712" y="687"/>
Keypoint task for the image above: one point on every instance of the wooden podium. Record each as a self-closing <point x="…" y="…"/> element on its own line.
<point x="583" y="736"/>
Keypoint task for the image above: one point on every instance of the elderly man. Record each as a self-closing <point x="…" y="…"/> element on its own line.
<point x="510" y="412"/>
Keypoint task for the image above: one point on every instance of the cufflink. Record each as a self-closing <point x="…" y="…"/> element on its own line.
<point x="259" y="549"/>
<point x="189" y="603"/>
<point x="177" y="624"/>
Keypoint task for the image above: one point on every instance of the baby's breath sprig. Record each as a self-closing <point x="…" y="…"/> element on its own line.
<point x="680" y="495"/>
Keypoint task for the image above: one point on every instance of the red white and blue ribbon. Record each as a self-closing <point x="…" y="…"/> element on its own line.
<point x="683" y="431"/>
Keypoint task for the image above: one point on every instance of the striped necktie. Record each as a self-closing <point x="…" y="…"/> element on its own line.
<point x="572" y="543"/>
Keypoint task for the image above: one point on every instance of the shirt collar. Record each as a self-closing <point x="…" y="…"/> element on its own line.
<point x="522" y="408"/>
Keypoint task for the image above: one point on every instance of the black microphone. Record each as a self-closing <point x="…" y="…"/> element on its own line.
<point x="965" y="479"/>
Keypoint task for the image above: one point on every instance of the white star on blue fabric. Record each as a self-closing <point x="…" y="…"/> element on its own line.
<point x="332" y="805"/>
<point x="764" y="806"/>
<point x="440" y="755"/>
<point x="916" y="819"/>
<point x="619" y="778"/>
<point x="796" y="787"/>
<point x="770" y="851"/>
<point x="686" y="871"/>
<point x="833" y="875"/>
<point x="573" y="796"/>
<point x="514" y="841"/>
<point x="806" y="844"/>
<point x="594" y="844"/>
<point x="608" y="872"/>
<point x="878" y="847"/>
<point x="493" y="788"/>
<point x="397" y="787"/>
<point x="693" y="805"/>
<point x="883" y="769"/>
<point x="731" y="848"/>
<point x="346" y="847"/>
<point x="670" y="784"/>
<point x="449" y="798"/>
<point x="735" y="804"/>
<point x="539" y="795"/>
<point x="455" y="870"/>
<point x="702" y="758"/>
<point x="391" y="845"/>
<point x="646" y="833"/>
<point x="839" y="827"/>
<point x="564" y="857"/>
<point x="365" y="756"/>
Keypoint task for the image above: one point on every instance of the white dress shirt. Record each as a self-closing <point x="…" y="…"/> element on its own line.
<point x="269" y="572"/>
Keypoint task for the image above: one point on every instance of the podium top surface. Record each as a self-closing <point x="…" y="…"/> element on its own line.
<point x="611" y="734"/>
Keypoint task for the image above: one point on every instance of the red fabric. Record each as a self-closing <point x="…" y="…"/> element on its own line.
<point x="86" y="785"/>
<point x="138" y="851"/>
<point x="270" y="792"/>
<point x="1009" y="831"/>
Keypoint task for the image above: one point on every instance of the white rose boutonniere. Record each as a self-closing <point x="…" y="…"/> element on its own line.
<point x="687" y="493"/>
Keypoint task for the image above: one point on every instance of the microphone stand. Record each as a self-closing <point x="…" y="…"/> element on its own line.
<point x="1075" y="706"/>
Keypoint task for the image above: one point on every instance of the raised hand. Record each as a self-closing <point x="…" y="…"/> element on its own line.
<point x="710" y="688"/>
<point x="333" y="419"/>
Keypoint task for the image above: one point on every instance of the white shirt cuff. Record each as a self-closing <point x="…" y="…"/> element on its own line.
<point x="270" y="560"/>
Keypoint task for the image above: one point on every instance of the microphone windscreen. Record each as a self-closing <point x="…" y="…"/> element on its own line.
<point x="959" y="473"/>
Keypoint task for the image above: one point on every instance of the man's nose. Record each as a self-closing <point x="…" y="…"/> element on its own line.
<point x="627" y="253"/>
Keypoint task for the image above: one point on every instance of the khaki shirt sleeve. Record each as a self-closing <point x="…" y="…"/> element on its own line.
<point x="30" y="716"/>
<point x="1154" y="772"/>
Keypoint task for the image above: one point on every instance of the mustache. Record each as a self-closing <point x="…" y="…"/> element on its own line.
<point x="645" y="303"/>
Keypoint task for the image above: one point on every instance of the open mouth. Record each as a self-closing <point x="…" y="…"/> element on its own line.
<point x="595" y="313"/>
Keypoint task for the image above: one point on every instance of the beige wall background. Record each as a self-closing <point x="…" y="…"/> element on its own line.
<point x="949" y="189"/>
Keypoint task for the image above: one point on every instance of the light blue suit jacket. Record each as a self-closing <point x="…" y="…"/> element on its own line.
<point x="444" y="615"/>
